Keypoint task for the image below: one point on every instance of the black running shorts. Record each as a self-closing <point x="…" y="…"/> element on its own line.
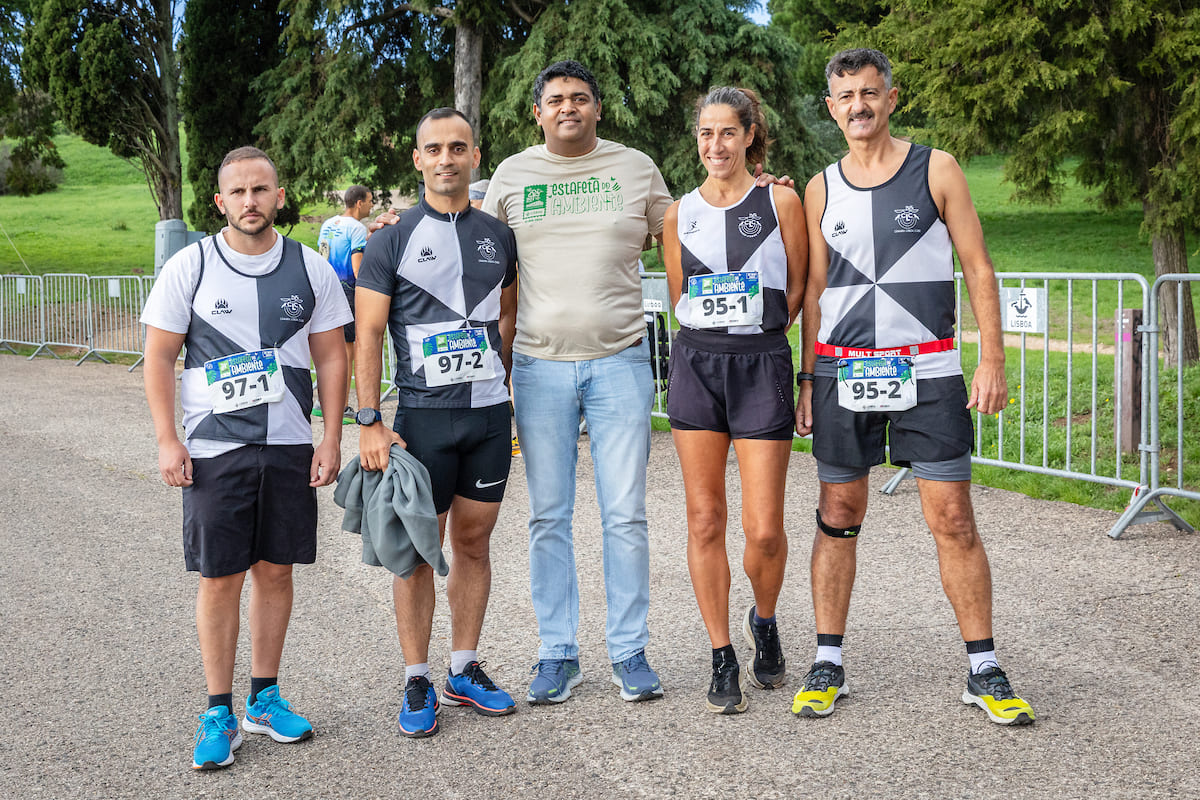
<point x="937" y="428"/>
<point x="735" y="384"/>
<point x="250" y="504"/>
<point x="348" y="329"/>
<point x="468" y="451"/>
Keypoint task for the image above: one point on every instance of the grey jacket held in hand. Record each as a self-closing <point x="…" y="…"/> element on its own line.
<point x="393" y="510"/>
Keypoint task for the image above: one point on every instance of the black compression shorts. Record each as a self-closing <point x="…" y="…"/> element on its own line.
<point x="468" y="451"/>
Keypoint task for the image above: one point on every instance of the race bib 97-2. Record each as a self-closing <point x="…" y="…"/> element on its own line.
<point x="724" y="299"/>
<point x="457" y="357"/>
<point x="243" y="380"/>
<point x="887" y="383"/>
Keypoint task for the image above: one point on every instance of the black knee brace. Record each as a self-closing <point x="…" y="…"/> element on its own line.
<point x="837" y="533"/>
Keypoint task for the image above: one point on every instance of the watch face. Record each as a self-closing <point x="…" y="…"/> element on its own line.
<point x="367" y="416"/>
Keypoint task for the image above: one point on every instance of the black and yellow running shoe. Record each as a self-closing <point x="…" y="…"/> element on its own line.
<point x="823" y="685"/>
<point x="990" y="690"/>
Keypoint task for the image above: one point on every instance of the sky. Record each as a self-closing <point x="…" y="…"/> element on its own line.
<point x="759" y="14"/>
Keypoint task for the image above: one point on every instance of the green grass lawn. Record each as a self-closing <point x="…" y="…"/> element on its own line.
<point x="100" y="221"/>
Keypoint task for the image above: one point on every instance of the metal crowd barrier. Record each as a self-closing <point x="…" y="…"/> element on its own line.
<point x="22" y="311"/>
<point x="1187" y="476"/>
<point x="1074" y="334"/>
<point x="116" y="304"/>
<point x="68" y="313"/>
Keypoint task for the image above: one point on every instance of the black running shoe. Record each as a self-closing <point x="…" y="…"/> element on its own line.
<point x="770" y="669"/>
<point x="725" y="694"/>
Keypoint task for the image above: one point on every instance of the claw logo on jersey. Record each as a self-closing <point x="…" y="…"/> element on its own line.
<point x="750" y="226"/>
<point x="839" y="228"/>
<point x="221" y="307"/>
<point x="693" y="227"/>
<point x="292" y="306"/>
<point x="487" y="250"/>
<point x="907" y="217"/>
<point x="426" y="255"/>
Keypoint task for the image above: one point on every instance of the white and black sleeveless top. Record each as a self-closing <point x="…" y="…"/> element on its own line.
<point x="744" y="237"/>
<point x="233" y="312"/>
<point x="891" y="267"/>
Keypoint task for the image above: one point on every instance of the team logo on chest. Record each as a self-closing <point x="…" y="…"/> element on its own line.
<point x="907" y="217"/>
<point x="426" y="255"/>
<point x="292" y="306"/>
<point x="487" y="250"/>
<point x="693" y="226"/>
<point x="221" y="306"/>
<point x="839" y="229"/>
<point x="750" y="226"/>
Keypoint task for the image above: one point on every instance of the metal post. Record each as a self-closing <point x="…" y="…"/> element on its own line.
<point x="1128" y="400"/>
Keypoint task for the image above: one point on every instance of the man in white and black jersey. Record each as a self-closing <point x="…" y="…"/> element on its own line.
<point x="443" y="279"/>
<point x="253" y="308"/>
<point x="879" y="362"/>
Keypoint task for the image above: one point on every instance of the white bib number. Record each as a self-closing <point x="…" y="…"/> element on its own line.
<point x="731" y="298"/>
<point x="877" y="384"/>
<point x="243" y="380"/>
<point x="457" y="357"/>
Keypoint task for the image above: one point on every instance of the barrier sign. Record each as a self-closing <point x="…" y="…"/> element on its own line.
<point x="1024" y="310"/>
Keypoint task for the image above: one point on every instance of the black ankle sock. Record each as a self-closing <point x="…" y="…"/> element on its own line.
<point x="257" y="685"/>
<point x="226" y="700"/>
<point x="722" y="654"/>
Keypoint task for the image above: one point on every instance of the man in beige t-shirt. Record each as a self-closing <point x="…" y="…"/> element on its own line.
<point x="582" y="209"/>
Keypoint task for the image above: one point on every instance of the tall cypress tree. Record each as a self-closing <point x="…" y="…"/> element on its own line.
<point x="226" y="45"/>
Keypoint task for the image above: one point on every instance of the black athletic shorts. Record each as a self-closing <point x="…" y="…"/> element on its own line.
<point x="348" y="329"/>
<point x="735" y="384"/>
<point x="250" y="504"/>
<point x="937" y="428"/>
<point x="468" y="451"/>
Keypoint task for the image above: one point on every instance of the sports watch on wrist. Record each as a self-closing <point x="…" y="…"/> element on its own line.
<point x="368" y="416"/>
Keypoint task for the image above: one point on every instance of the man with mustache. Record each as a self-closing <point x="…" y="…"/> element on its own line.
<point x="879" y="360"/>
<point x="582" y="209"/>
<point x="442" y="280"/>
<point x="253" y="308"/>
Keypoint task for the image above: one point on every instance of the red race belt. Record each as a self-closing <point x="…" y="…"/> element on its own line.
<point x="936" y="346"/>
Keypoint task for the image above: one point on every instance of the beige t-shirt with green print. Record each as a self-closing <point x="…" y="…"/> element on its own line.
<point x="581" y="224"/>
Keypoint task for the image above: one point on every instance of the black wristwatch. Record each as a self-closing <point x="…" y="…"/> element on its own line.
<point x="803" y="376"/>
<point x="368" y="416"/>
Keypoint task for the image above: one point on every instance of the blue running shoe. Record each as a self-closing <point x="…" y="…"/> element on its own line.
<point x="418" y="713"/>
<point x="636" y="679"/>
<point x="473" y="688"/>
<point x="216" y="739"/>
<point x="272" y="715"/>
<point x="553" y="681"/>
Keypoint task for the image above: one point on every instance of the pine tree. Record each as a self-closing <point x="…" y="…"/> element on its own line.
<point x="226" y="44"/>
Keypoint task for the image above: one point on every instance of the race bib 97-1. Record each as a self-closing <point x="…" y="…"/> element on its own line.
<point x="724" y="299"/>
<point x="457" y="357"/>
<point x="243" y="380"/>
<point x="887" y="383"/>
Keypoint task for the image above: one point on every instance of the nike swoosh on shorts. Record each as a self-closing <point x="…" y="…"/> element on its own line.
<point x="481" y="485"/>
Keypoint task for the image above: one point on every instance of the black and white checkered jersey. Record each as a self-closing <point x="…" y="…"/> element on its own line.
<point x="228" y="302"/>
<point x="891" y="266"/>
<point x="744" y="237"/>
<point x="444" y="272"/>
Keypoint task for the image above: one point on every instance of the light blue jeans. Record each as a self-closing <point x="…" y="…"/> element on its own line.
<point x="613" y="395"/>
